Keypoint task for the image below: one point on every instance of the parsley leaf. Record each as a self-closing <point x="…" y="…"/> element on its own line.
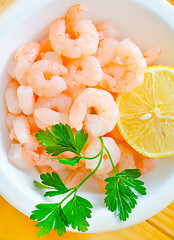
<point x="77" y="210"/>
<point x="49" y="216"/>
<point x="53" y="180"/>
<point x="122" y="191"/>
<point x="61" y="139"/>
<point x="70" y="161"/>
<point x="80" y="139"/>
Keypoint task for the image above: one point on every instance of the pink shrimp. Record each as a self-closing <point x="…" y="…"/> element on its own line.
<point x="21" y="128"/>
<point x="52" y="56"/>
<point x="41" y="159"/>
<point x="72" y="17"/>
<point x="49" y="111"/>
<point x="86" y="41"/>
<point x="105" y="106"/>
<point x="41" y="84"/>
<point x="107" y="30"/>
<point x="126" y="160"/>
<point x="11" y="98"/>
<point x="152" y="54"/>
<point x="24" y="58"/>
<point x="125" y="66"/>
<point x="15" y="156"/>
<point x="26" y="99"/>
<point x="90" y="73"/>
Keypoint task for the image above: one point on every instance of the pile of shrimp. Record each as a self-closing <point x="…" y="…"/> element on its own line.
<point x="78" y="68"/>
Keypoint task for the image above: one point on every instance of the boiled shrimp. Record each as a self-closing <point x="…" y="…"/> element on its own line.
<point x="52" y="56"/>
<point x="106" y="51"/>
<point x="94" y="148"/>
<point x="24" y="58"/>
<point x="75" y="91"/>
<point x="49" y="111"/>
<point x="41" y="84"/>
<point x="107" y="30"/>
<point x="126" y="160"/>
<point x="11" y="98"/>
<point x="85" y="44"/>
<point x="41" y="159"/>
<point x="21" y="128"/>
<point x="15" y="156"/>
<point x="124" y="66"/>
<point x="72" y="17"/>
<point x="152" y="54"/>
<point x="32" y="143"/>
<point x="26" y="99"/>
<point x="90" y="73"/>
<point x="103" y="103"/>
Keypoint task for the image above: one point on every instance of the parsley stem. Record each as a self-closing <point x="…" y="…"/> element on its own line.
<point x="67" y="196"/>
<point x="101" y="157"/>
<point x="91" y="158"/>
<point x="111" y="160"/>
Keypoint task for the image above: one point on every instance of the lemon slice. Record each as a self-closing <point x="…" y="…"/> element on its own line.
<point x="147" y="113"/>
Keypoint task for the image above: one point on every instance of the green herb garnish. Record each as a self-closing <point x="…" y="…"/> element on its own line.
<point x="122" y="189"/>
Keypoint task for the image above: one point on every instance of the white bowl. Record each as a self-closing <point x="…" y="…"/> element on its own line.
<point x="147" y="23"/>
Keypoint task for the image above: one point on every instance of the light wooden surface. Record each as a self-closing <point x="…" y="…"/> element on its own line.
<point x="15" y="226"/>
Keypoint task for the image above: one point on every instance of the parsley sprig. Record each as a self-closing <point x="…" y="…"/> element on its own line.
<point x="122" y="190"/>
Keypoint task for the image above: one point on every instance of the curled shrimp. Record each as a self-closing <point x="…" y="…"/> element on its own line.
<point x="24" y="58"/>
<point x="49" y="111"/>
<point x="44" y="77"/>
<point x="90" y="73"/>
<point x="86" y="41"/>
<point x="41" y="159"/>
<point x="11" y="98"/>
<point x="126" y="68"/>
<point x="21" y="128"/>
<point x="106" y="108"/>
<point x="152" y="54"/>
<point x="26" y="99"/>
<point x="126" y="159"/>
<point x="94" y="148"/>
<point x="15" y="156"/>
<point x="106" y="51"/>
<point x="107" y="30"/>
<point x="72" y="17"/>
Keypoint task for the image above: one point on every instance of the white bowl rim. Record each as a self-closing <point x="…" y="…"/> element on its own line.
<point x="158" y="7"/>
